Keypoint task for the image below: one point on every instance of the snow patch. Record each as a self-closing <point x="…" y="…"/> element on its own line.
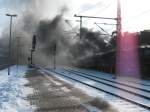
<point x="91" y="108"/>
<point x="57" y="83"/>
<point x="90" y="82"/>
<point x="47" y="84"/>
<point x="13" y="91"/>
<point x="65" y="89"/>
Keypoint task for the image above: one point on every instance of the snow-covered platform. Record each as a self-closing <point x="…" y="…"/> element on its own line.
<point x="46" y="90"/>
<point x="13" y="91"/>
<point x="52" y="94"/>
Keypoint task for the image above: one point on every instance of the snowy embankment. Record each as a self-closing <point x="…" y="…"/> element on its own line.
<point x="13" y="91"/>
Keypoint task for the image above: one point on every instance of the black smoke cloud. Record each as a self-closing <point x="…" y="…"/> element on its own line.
<point x="91" y="43"/>
<point x="49" y="32"/>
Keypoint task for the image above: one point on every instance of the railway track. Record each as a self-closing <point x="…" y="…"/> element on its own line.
<point x="145" y="88"/>
<point x="134" y="82"/>
<point x="130" y="93"/>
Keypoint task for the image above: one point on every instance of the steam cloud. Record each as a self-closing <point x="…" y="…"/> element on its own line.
<point x="49" y="32"/>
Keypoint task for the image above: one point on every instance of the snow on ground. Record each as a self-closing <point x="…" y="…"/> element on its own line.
<point x="13" y="91"/>
<point x="119" y="104"/>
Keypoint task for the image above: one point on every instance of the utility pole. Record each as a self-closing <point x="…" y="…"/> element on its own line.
<point x="54" y="53"/>
<point x="81" y="17"/>
<point x="11" y="17"/>
<point x="31" y="57"/>
<point x="80" y="27"/>
<point x="18" y="51"/>
<point x="119" y="26"/>
<point x="32" y="49"/>
<point x="118" y="36"/>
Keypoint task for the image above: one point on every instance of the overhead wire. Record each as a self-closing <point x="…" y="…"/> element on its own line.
<point x="103" y="9"/>
<point x="138" y="16"/>
<point x="95" y="5"/>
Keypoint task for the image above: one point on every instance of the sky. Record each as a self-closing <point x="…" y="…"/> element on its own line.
<point x="135" y="13"/>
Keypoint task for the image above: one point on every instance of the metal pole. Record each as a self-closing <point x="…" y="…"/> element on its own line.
<point x="11" y="16"/>
<point x="17" y="53"/>
<point x="80" y="27"/>
<point x="33" y="48"/>
<point x="80" y="16"/>
<point x="95" y="17"/>
<point x="31" y="56"/>
<point x="10" y="46"/>
<point x="50" y="59"/>
<point x="107" y="23"/>
<point x="54" y="56"/>
<point x="102" y="29"/>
